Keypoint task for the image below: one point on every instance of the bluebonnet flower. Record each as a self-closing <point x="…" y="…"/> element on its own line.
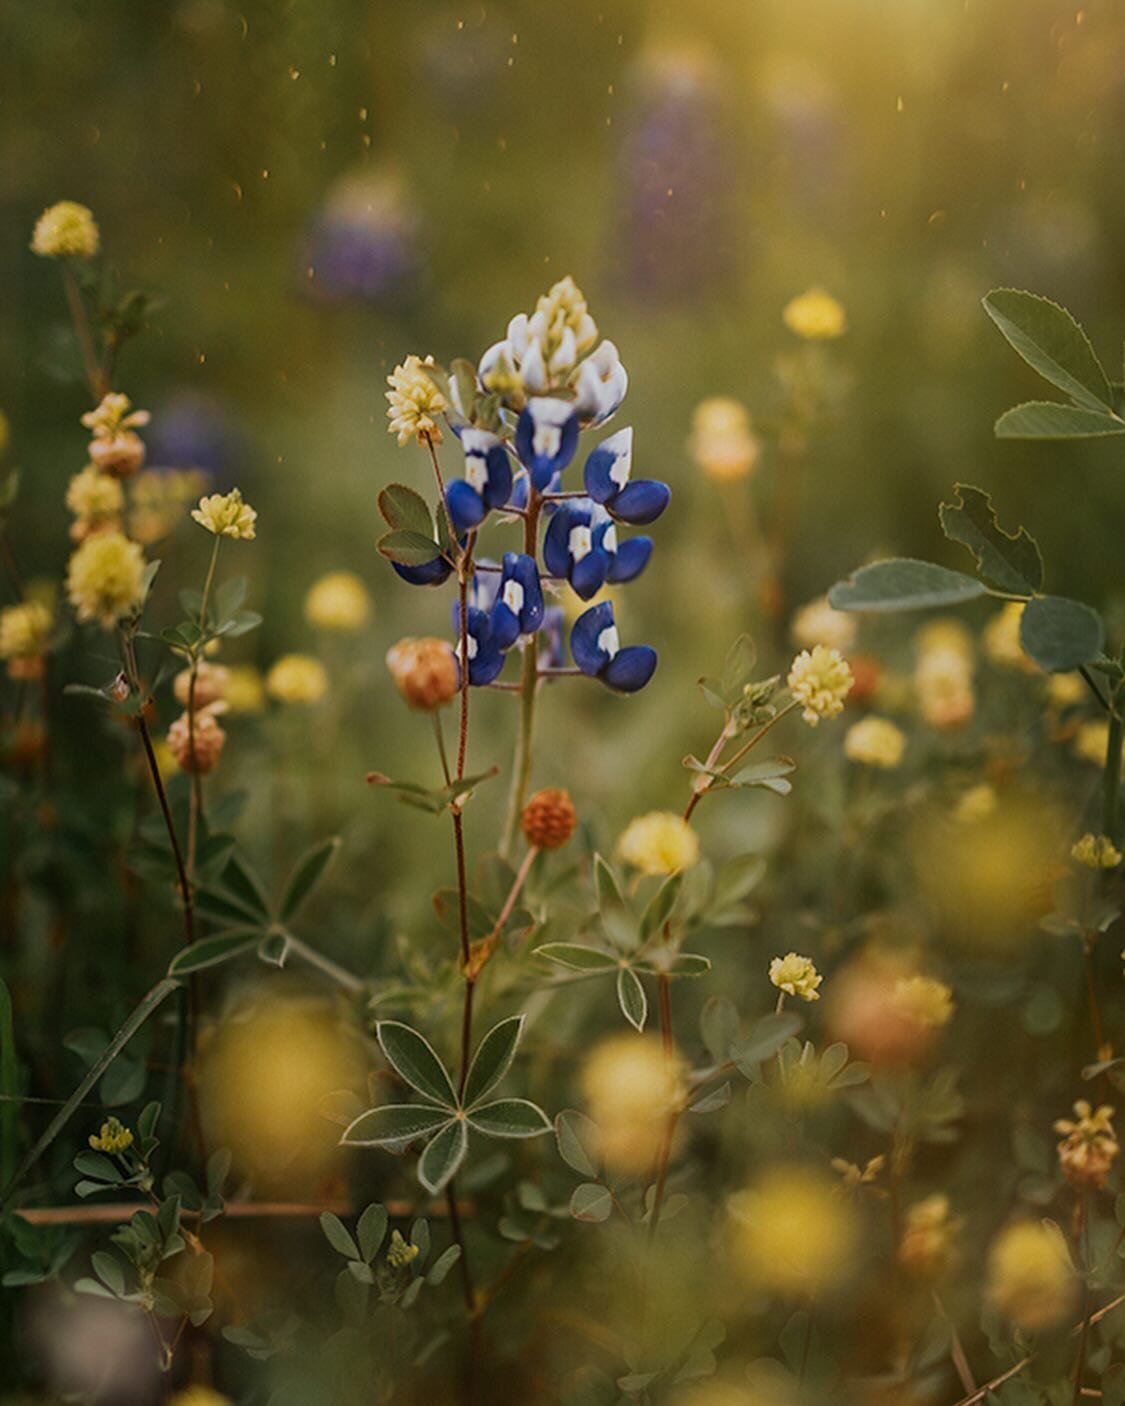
<point x="519" y="604"/>
<point x="597" y="651"/>
<point x="433" y="573"/>
<point x="486" y="658"/>
<point x="546" y="438"/>
<point x="487" y="483"/>
<point x="607" y="478"/>
<point x="601" y="385"/>
<point x="581" y="546"/>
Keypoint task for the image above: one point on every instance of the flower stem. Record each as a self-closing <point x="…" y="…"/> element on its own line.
<point x="529" y="685"/>
<point x="95" y="377"/>
<point x="1111" y="782"/>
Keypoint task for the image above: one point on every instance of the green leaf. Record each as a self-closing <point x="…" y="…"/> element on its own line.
<point x="306" y="875"/>
<point x="680" y="964"/>
<point x="737" y="879"/>
<point x="718" y="1024"/>
<point x="577" y="1139"/>
<point x="902" y="583"/>
<point x="394" y="1125"/>
<point x="443" y="1264"/>
<point x="591" y="1202"/>
<point x="769" y="774"/>
<point x="405" y="510"/>
<point x="492" y="1060"/>
<point x="1059" y="634"/>
<point x="439" y="1162"/>
<point x="211" y="951"/>
<point x="408" y="548"/>
<point x="577" y="957"/>
<point x="509" y="1117"/>
<point x="1052" y="343"/>
<point x="371" y="1229"/>
<point x="606" y="885"/>
<point x="1009" y="562"/>
<point x="240" y="879"/>
<point x="659" y="909"/>
<point x="765" y="1039"/>
<point x="631" y="997"/>
<point x="413" y="1057"/>
<point x="712" y="1102"/>
<point x="338" y="1235"/>
<point x="109" y="1270"/>
<point x="1045" y="419"/>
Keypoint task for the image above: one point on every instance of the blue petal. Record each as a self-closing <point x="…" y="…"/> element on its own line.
<point x="630" y="559"/>
<point x="630" y="668"/>
<point x="556" y="543"/>
<point x="486" y="666"/>
<point x="546" y="438"/>
<point x="607" y="468"/>
<point x="588" y="575"/>
<point x="505" y="626"/>
<point x="433" y="573"/>
<point x="520" y="488"/>
<point x="466" y="507"/>
<point x="499" y="487"/>
<point x="588" y="654"/>
<point x="641" y="501"/>
<point x="522" y="569"/>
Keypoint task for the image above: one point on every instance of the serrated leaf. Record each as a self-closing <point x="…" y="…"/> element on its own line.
<point x="492" y="1060"/>
<point x="408" y="548"/>
<point x="509" y="1118"/>
<point x="394" y="1125"/>
<point x="405" y="511"/>
<point x="414" y="1058"/>
<point x="307" y="874"/>
<point x="902" y="583"/>
<point x="1052" y="343"/>
<point x="591" y="1202"/>
<point x="577" y="1138"/>
<point x="631" y="998"/>
<point x="1045" y="419"/>
<point x="439" y="1162"/>
<point x="338" y="1235"/>
<point x="1009" y="562"/>
<point x="1059" y="634"/>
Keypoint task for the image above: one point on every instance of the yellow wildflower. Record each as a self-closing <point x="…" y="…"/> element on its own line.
<point x="927" y="1247"/>
<point x="796" y="976"/>
<point x="65" y="230"/>
<point x="875" y="742"/>
<point x="244" y="691"/>
<point x="631" y="1088"/>
<point x="1091" y="741"/>
<point x="660" y="842"/>
<point x="1031" y="1280"/>
<point x="25" y="630"/>
<point x="815" y="315"/>
<point x="226" y="515"/>
<point x="1065" y="690"/>
<point x="852" y="1176"/>
<point x="338" y="601"/>
<point x="113" y="414"/>
<point x="1089" y="1145"/>
<point x="1092" y="851"/>
<point x="113" y="1136"/>
<point x="795" y="1233"/>
<point x="722" y="443"/>
<point x="415" y="402"/>
<point x="975" y="804"/>
<point x="923" y="1001"/>
<point x="943" y="681"/>
<point x="297" y="678"/>
<point x="399" y="1253"/>
<point x="819" y="679"/>
<point x="105" y="578"/>
<point x="817" y="623"/>
<point x="94" y="497"/>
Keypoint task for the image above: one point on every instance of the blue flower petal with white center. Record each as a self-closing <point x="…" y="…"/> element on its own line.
<point x="487" y="466"/>
<point x="641" y="501"/>
<point x="630" y="668"/>
<point x="597" y="651"/>
<point x="546" y="438"/>
<point x="486" y="658"/>
<point x="629" y="560"/>
<point x="608" y="466"/>
<point x="556" y="542"/>
<point x="466" y="507"/>
<point x="519" y="603"/>
<point x="432" y="573"/>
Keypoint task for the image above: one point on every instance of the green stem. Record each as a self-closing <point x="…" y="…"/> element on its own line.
<point x="95" y="377"/>
<point x="1111" y="782"/>
<point x="529" y="687"/>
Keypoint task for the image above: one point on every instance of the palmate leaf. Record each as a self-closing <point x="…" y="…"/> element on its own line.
<point x="1052" y="343"/>
<point x="902" y="583"/>
<point x="509" y="1118"/>
<point x="1008" y="562"/>
<point x="439" y="1162"/>
<point x="394" y="1125"/>
<point x="1059" y="634"/>
<point x="492" y="1060"/>
<point x="414" y="1059"/>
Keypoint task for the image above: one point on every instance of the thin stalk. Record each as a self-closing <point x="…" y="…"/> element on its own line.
<point x="529" y="685"/>
<point x="1084" y="1335"/>
<point x="1111" y="780"/>
<point x="95" y="377"/>
<point x="195" y="809"/>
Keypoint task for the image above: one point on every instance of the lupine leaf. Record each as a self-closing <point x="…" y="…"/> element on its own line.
<point x="413" y="1057"/>
<point x="210" y="951"/>
<point x="509" y="1118"/>
<point x="1009" y="562"/>
<point x="338" y="1235"/>
<point x="577" y="956"/>
<point x="394" y="1125"/>
<point x="902" y="583"/>
<point x="631" y="997"/>
<point x="405" y="510"/>
<point x="1059" y="634"/>
<point x="307" y="874"/>
<point x="492" y="1060"/>
<point x="371" y="1228"/>
<point x="660" y="907"/>
<point x="578" y="1139"/>
<point x="439" y="1162"/>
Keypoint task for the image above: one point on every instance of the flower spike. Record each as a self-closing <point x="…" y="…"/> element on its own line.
<point x="487" y="483"/>
<point x="519" y="605"/>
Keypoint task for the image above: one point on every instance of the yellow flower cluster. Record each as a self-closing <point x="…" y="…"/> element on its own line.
<point x="399" y="1252"/>
<point x="1001" y="638"/>
<point x="722" y="444"/>
<point x="415" y="402"/>
<point x="25" y="633"/>
<point x="115" y="447"/>
<point x="95" y="499"/>
<point x="817" y="623"/>
<point x="875" y="742"/>
<point x="819" y="680"/>
<point x="923" y="1001"/>
<point x="631" y="1088"/>
<point x="815" y="316"/>
<point x="297" y="678"/>
<point x="660" y="842"/>
<point x="796" y="1234"/>
<point x="1091" y="851"/>
<point x="338" y="602"/>
<point x="559" y="311"/>
<point x="105" y="578"/>
<point x="112" y="1136"/>
<point x="1089" y="1146"/>
<point x="226" y="515"/>
<point x="796" y="976"/>
<point x="65" y="230"/>
<point x="1031" y="1280"/>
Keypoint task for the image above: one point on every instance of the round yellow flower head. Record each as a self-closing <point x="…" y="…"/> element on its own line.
<point x="816" y="316"/>
<point x="819" y="679"/>
<point x="244" y="691"/>
<point x="1001" y="637"/>
<point x="338" y="601"/>
<point x="817" y="623"/>
<point x="415" y="402"/>
<point x="105" y="578"/>
<point x="875" y="742"/>
<point x="1031" y="1280"/>
<point x="200" y="1396"/>
<point x="297" y="678"/>
<point x="796" y="976"/>
<point x="923" y="1001"/>
<point x="94" y="497"/>
<point x="975" y="804"/>
<point x="112" y="1136"/>
<point x="631" y="1087"/>
<point x="927" y="1247"/>
<point x="226" y="515"/>
<point x="399" y="1252"/>
<point x="796" y="1233"/>
<point x="25" y="630"/>
<point x="65" y="230"/>
<point x="659" y="843"/>
<point x="722" y="443"/>
<point x="1089" y="1146"/>
<point x="1092" y="851"/>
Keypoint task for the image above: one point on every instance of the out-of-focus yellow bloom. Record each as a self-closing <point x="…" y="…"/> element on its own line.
<point x="226" y="515"/>
<point x="819" y="679"/>
<point x="796" y="976"/>
<point x="1091" y="741"/>
<point x="1031" y="1280"/>
<point x="94" y="497"/>
<point x="923" y="1001"/>
<point x="415" y="402"/>
<point x="1065" y="690"/>
<point x="200" y="1396"/>
<point x="796" y="1234"/>
<point x="399" y="1252"/>
<point x="25" y="630"/>
<point x="943" y="682"/>
<point x="975" y="804"/>
<point x="244" y="691"/>
<point x="1089" y="1146"/>
<point x="722" y="444"/>
<point x="105" y="578"/>
<point x="297" y="678"/>
<point x="166" y="763"/>
<point x="927" y="1248"/>
<point x="1001" y="638"/>
<point x="875" y="742"/>
<point x="1092" y="851"/>
<point x="113" y="414"/>
<point x="157" y="499"/>
<point x="944" y="633"/>
<point x="338" y="601"/>
<point x="65" y="230"/>
<point x="817" y="623"/>
<point x="815" y="315"/>
<point x="660" y="842"/>
<point x="631" y="1089"/>
<point x="112" y="1136"/>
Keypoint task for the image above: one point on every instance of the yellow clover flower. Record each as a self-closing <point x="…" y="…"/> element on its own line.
<point x="818" y="623"/>
<point x="415" y="402"/>
<point x="795" y="1233"/>
<point x="923" y="1001"/>
<point x="399" y="1252"/>
<point x="94" y="497"/>
<point x="105" y="578"/>
<point x="815" y="316"/>
<point x="226" y="515"/>
<point x="25" y="630"/>
<point x="875" y="742"/>
<point x="631" y="1088"/>
<point x="111" y="1137"/>
<point x="244" y="691"/>
<point x="338" y="601"/>
<point x="65" y="230"/>
<point x="819" y="679"/>
<point x="796" y="976"/>
<point x="1031" y="1279"/>
<point x="659" y="843"/>
<point x="1092" y="851"/>
<point x="297" y="678"/>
